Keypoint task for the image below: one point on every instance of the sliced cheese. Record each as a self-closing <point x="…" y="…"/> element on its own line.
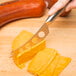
<point x="24" y="54"/>
<point x="56" y="66"/>
<point x="48" y="63"/>
<point x="23" y="37"/>
<point x="62" y="63"/>
<point x="51" y="67"/>
<point x="40" y="62"/>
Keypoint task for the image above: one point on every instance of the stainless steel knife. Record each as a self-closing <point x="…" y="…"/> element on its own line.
<point x="42" y="32"/>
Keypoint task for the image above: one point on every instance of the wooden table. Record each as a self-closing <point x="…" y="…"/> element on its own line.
<point x="62" y="37"/>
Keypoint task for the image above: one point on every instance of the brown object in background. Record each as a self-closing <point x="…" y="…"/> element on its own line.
<point x="64" y="14"/>
<point x="21" y="9"/>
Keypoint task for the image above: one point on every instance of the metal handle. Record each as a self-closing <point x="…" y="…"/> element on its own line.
<point x="52" y="17"/>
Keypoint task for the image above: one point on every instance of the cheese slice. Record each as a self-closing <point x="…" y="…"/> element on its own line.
<point x="41" y="61"/>
<point x="51" y="67"/>
<point x="48" y="63"/>
<point x="23" y="55"/>
<point x="56" y="66"/>
<point x="62" y="63"/>
<point x="23" y="37"/>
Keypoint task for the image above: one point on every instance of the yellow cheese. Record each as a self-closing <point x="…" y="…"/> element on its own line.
<point x="22" y="55"/>
<point x="56" y="66"/>
<point x="45" y="61"/>
<point x="62" y="63"/>
<point x="40" y="62"/>
<point x="23" y="37"/>
<point x="48" y="63"/>
<point x="51" y="67"/>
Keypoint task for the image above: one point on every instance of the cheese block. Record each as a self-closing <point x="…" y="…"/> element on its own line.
<point x="40" y="62"/>
<point x="24" y="54"/>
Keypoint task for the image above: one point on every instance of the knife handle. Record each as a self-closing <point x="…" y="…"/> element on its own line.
<point x="52" y="17"/>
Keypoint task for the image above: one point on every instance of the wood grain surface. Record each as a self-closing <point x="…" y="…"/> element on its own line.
<point x="62" y="37"/>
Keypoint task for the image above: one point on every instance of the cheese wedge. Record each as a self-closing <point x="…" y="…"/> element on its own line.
<point x="41" y="61"/>
<point x="23" y="55"/>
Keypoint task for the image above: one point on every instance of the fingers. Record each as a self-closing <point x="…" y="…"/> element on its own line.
<point x="60" y="4"/>
<point x="71" y="5"/>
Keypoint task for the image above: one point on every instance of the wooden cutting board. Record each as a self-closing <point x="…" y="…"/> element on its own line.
<point x="62" y="37"/>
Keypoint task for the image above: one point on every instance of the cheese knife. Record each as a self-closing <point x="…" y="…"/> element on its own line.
<point x="42" y="32"/>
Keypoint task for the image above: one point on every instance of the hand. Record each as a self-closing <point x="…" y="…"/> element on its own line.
<point x="60" y="4"/>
